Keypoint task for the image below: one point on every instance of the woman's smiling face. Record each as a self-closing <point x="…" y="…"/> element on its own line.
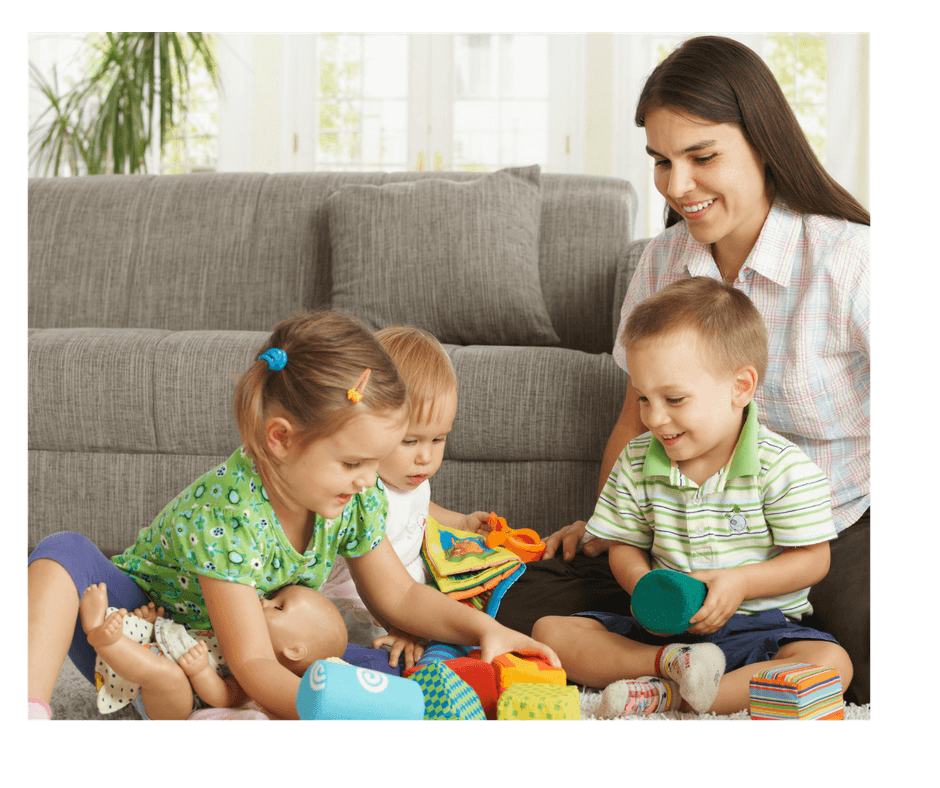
<point x="711" y="177"/>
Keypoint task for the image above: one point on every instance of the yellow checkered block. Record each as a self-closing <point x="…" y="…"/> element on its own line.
<point x="539" y="702"/>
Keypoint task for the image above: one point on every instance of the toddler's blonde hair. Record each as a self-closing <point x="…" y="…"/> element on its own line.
<point x="423" y="364"/>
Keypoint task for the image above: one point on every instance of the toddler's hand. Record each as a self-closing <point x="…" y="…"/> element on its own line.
<point x="501" y="642"/>
<point x="478" y="522"/>
<point x="726" y="592"/>
<point x="401" y="642"/>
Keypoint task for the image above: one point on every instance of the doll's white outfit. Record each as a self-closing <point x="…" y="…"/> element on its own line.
<point x="164" y="637"/>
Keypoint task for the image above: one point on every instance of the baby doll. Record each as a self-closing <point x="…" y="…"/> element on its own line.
<point x="160" y="666"/>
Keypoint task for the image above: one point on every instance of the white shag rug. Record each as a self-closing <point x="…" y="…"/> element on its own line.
<point x="74" y="699"/>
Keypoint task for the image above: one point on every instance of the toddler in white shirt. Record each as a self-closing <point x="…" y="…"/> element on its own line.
<point x="429" y="376"/>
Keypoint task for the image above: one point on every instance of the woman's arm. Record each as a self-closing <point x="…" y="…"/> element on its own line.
<point x="239" y="624"/>
<point x="627" y="427"/>
<point x="393" y="595"/>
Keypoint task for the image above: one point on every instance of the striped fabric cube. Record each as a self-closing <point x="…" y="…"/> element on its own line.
<point x="797" y="692"/>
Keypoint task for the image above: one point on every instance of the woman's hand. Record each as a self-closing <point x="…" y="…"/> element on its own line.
<point x="569" y="537"/>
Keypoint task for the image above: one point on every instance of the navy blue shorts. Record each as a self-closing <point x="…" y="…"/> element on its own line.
<point x="744" y="640"/>
<point x="87" y="564"/>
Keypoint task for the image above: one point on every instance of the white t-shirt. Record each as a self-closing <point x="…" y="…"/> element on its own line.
<point x="404" y="528"/>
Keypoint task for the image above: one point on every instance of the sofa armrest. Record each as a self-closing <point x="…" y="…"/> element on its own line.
<point x="625" y="270"/>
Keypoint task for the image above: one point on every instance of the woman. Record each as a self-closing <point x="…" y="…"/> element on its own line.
<point x="748" y="201"/>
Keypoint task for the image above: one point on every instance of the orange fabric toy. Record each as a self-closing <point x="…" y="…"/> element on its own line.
<point x="524" y="542"/>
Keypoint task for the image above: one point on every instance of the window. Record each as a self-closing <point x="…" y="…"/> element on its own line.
<point x="388" y="101"/>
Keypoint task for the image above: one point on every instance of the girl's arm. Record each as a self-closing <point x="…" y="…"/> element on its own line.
<point x="239" y="624"/>
<point x="394" y="596"/>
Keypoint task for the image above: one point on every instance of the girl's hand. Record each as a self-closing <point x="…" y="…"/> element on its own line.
<point x="402" y="643"/>
<point x="503" y="640"/>
<point x="726" y="592"/>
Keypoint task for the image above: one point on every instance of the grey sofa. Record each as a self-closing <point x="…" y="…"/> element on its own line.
<point x="148" y="296"/>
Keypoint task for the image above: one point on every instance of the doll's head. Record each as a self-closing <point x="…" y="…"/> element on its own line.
<point x="304" y="626"/>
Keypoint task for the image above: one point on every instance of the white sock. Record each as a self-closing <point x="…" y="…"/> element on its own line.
<point x="645" y="695"/>
<point x="697" y="669"/>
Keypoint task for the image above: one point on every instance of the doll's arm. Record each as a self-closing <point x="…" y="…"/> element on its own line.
<point x="239" y="624"/>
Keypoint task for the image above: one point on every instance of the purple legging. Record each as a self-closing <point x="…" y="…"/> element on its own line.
<point x="87" y="564"/>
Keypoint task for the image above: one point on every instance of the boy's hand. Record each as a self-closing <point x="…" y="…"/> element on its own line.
<point x="726" y="592"/>
<point x="402" y="643"/>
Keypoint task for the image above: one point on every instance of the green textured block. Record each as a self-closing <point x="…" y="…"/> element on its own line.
<point x="539" y="702"/>
<point x="446" y="695"/>
<point x="663" y="601"/>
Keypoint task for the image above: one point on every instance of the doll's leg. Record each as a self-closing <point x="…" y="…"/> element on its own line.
<point x="165" y="689"/>
<point x="149" y="612"/>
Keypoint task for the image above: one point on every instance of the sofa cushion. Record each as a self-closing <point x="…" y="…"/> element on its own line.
<point x="460" y="259"/>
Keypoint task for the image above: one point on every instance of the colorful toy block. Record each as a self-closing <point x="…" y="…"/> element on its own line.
<point x="539" y="702"/>
<point x="526" y="667"/>
<point x="797" y="692"/>
<point x="663" y="601"/>
<point x="336" y="691"/>
<point x="446" y="695"/>
<point x="482" y="677"/>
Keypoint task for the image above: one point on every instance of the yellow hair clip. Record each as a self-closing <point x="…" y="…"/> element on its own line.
<point x="356" y="392"/>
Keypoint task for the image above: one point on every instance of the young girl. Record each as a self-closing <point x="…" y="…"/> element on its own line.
<point x="317" y="410"/>
<point x="431" y="382"/>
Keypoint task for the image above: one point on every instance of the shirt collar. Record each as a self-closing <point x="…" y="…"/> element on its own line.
<point x="780" y="232"/>
<point x="744" y="461"/>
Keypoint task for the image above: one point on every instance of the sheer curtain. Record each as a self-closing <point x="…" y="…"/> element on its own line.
<point x="269" y="112"/>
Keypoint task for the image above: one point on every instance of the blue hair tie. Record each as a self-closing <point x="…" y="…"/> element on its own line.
<point x="276" y="358"/>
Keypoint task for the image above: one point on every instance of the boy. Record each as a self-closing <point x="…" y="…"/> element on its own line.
<point x="710" y="492"/>
<point x="431" y="381"/>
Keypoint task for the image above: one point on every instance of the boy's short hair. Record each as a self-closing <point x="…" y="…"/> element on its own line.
<point x="424" y="366"/>
<point x="725" y="318"/>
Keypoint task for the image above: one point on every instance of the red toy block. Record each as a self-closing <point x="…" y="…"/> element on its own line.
<point x="482" y="677"/>
<point x="527" y="666"/>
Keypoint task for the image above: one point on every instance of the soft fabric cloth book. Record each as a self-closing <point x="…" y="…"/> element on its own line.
<point x="464" y="568"/>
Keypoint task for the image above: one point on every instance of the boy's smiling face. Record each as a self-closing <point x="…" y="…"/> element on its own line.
<point x="694" y="409"/>
<point x="420" y="453"/>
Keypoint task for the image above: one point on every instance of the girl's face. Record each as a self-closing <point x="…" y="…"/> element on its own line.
<point x="712" y="177"/>
<point x="323" y="477"/>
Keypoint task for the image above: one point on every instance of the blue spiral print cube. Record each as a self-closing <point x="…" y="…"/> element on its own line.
<point x="336" y="691"/>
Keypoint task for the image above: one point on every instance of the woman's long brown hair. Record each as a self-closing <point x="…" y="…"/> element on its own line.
<point x="722" y="81"/>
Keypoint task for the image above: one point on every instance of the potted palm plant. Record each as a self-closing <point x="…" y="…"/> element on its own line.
<point x="108" y="122"/>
